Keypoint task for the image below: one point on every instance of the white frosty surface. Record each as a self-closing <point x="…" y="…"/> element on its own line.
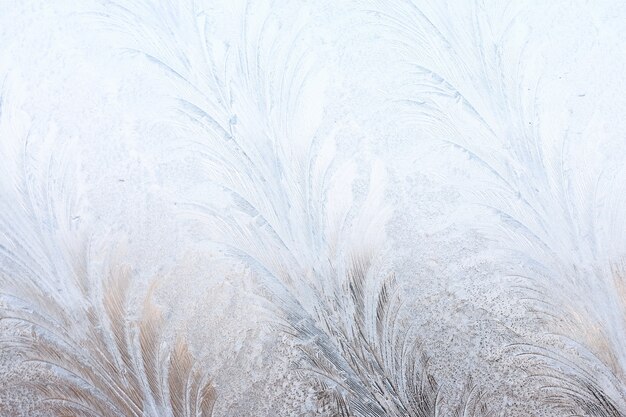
<point x="243" y="159"/>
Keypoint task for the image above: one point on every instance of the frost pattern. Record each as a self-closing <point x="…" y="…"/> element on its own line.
<point x="373" y="208"/>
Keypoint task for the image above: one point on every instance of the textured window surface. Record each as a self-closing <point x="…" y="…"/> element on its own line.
<point x="312" y="208"/>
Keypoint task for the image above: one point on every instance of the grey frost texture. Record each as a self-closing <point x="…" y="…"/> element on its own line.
<point x="312" y="208"/>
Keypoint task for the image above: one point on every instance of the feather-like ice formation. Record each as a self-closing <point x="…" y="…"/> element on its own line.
<point x="69" y="325"/>
<point x="260" y="207"/>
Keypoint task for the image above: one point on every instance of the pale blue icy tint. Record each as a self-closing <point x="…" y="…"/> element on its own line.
<point x="303" y="208"/>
